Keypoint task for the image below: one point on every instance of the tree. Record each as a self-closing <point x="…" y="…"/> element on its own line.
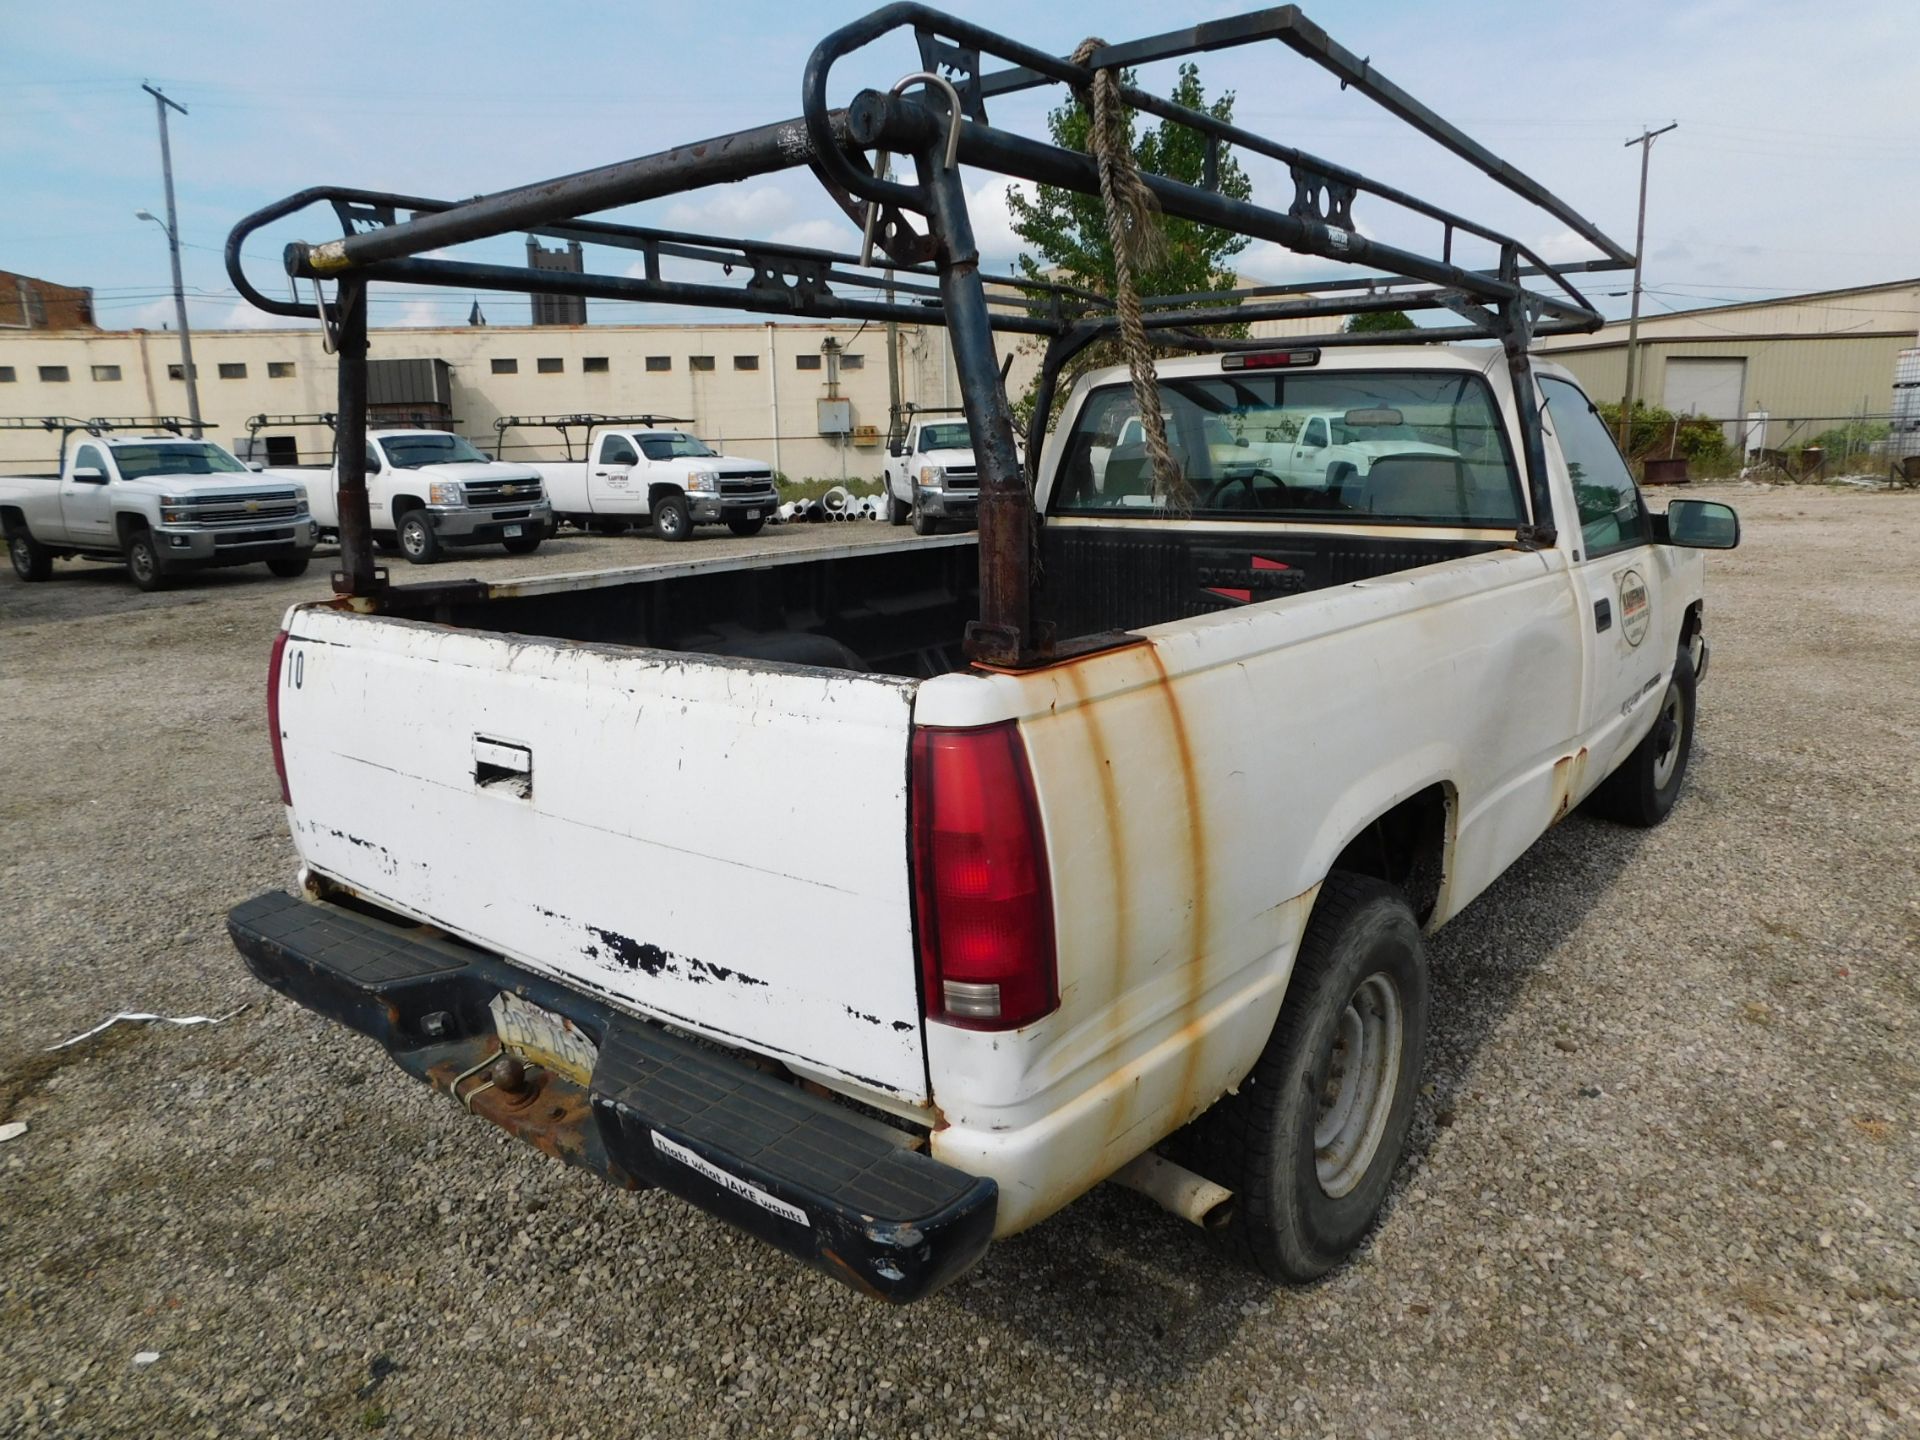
<point x="1378" y="322"/>
<point x="1068" y="230"/>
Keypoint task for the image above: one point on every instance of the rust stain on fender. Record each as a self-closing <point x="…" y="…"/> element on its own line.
<point x="1199" y="898"/>
<point x="1568" y="772"/>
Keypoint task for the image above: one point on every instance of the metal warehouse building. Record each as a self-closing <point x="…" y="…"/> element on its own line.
<point x="1806" y="363"/>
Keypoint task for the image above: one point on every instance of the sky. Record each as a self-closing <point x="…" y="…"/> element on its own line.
<point x="1795" y="167"/>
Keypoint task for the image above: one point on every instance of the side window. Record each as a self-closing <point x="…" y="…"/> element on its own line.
<point x="89" y="455"/>
<point x="926" y="442"/>
<point x="1611" y="515"/>
<point x="617" y="450"/>
<point x="373" y="458"/>
<point x="1315" y="437"/>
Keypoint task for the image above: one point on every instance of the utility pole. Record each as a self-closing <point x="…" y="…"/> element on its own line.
<point x="1645" y="142"/>
<point x="161" y="104"/>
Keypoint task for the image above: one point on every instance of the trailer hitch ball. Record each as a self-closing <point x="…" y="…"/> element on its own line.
<point x="509" y="1075"/>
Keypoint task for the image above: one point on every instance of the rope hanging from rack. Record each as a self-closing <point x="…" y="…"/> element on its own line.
<point x="1133" y="228"/>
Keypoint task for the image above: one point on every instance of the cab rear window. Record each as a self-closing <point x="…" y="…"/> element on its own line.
<point x="1374" y="447"/>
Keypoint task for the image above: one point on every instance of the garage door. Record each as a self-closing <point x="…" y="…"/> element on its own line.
<point x="1711" y="387"/>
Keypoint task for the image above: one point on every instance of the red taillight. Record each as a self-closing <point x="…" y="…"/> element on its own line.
<point x="980" y="877"/>
<point x="273" y="714"/>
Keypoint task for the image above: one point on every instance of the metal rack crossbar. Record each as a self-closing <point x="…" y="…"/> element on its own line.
<point x="920" y="263"/>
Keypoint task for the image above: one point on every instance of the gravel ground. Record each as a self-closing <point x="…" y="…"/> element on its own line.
<point x="1663" y="1182"/>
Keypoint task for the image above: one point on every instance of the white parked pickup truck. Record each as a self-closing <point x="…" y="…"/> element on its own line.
<point x="880" y="955"/>
<point x="668" y="476"/>
<point x="161" y="504"/>
<point x="428" y="490"/>
<point x="931" y="474"/>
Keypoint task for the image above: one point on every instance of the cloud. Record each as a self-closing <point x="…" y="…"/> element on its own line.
<point x="734" y="210"/>
<point x="993" y="230"/>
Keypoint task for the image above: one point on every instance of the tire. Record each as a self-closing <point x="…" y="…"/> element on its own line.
<point x="31" y="559"/>
<point x="671" y="520"/>
<point x="897" y="513"/>
<point x="1308" y="1185"/>
<point x="144" y="566"/>
<point x="523" y="544"/>
<point x="744" y="528"/>
<point x="417" y="540"/>
<point x="923" y="523"/>
<point x="288" y="566"/>
<point x="1642" y="790"/>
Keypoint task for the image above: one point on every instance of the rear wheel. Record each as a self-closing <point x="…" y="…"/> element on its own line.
<point x="747" y="527"/>
<point x="144" y="566"/>
<point x="1310" y="1142"/>
<point x="523" y="544"/>
<point x="671" y="520"/>
<point x="1642" y="791"/>
<point x="288" y="566"/>
<point x="417" y="540"/>
<point x="31" y="559"/>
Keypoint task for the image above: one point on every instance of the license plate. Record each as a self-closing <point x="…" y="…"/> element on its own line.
<point x="513" y="532"/>
<point x="753" y="514"/>
<point x="543" y="1037"/>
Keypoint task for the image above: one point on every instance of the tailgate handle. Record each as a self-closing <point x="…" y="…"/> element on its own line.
<point x="503" y="767"/>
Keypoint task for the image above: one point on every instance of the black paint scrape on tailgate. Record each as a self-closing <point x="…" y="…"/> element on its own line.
<point x="826" y="1184"/>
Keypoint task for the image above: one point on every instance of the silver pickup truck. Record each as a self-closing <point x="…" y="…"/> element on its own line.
<point x="158" y="502"/>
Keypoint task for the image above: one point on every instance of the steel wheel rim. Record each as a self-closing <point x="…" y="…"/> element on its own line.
<point x="142" y="560"/>
<point x="669" y="521"/>
<point x="21" y="555"/>
<point x="413" y="537"/>
<point x="1668" y="727"/>
<point x="1362" y="1076"/>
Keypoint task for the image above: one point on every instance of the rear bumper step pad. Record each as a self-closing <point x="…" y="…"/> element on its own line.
<point x="826" y="1184"/>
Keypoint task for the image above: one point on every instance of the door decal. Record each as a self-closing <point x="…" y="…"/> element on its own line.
<point x="1636" y="606"/>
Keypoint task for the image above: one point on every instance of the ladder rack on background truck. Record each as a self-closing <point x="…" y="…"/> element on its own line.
<point x="928" y="273"/>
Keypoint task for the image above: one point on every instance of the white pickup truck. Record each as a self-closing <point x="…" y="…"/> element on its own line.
<point x="931" y="475"/>
<point x="428" y="490"/>
<point x="667" y="476"/>
<point x="879" y="955"/>
<point x="162" y="504"/>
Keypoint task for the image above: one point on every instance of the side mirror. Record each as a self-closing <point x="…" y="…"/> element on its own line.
<point x="1702" y="525"/>
<point x="256" y="466"/>
<point x="92" y="474"/>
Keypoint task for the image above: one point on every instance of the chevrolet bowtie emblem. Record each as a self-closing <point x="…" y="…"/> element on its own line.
<point x="509" y="489"/>
<point x="253" y="504"/>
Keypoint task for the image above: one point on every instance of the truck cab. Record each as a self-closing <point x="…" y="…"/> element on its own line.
<point x="161" y="503"/>
<point x="931" y="474"/>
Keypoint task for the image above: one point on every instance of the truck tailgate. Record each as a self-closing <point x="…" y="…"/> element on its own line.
<point x="718" y="843"/>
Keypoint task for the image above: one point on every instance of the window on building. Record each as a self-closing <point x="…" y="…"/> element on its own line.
<point x="657" y="363"/>
<point x="853" y="362"/>
<point x="505" y="367"/>
<point x="282" y="450"/>
<point x="595" y="365"/>
<point x="699" y="362"/>
<point x="7" y="377"/>
<point x="1611" y="515"/>
<point x="746" y="362"/>
<point x="106" y="372"/>
<point x="53" y="374"/>
<point x="179" y="372"/>
<point x="806" y="362"/>
<point x="280" y="370"/>
<point x="550" y="365"/>
<point x="233" y="369"/>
